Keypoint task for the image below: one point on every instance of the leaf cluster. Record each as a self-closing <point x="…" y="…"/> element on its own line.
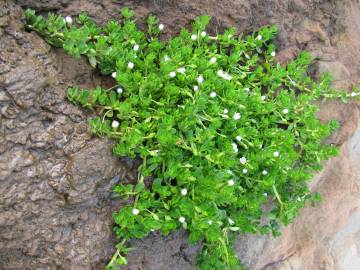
<point x="221" y="128"/>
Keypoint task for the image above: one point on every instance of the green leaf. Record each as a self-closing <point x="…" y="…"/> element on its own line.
<point x="219" y="127"/>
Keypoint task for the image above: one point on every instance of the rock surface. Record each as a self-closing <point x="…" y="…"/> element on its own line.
<point x="55" y="204"/>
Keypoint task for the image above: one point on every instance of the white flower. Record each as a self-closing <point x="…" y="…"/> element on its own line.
<point x="209" y="222"/>
<point x="213" y="94"/>
<point x="229" y="172"/>
<point x="136" y="47"/>
<point x="181" y="219"/>
<point x="223" y="75"/>
<point x="193" y="37"/>
<point x="353" y="94"/>
<point x="263" y="97"/>
<point x="212" y="60"/>
<point x="200" y="79"/>
<point x="226" y="111"/>
<point x="203" y="34"/>
<point x="181" y="70"/>
<point x="231" y="182"/>
<point x="238" y="138"/>
<point x="113" y="74"/>
<point x="231" y="222"/>
<point x="264" y="172"/>
<point x="166" y="58"/>
<point x="119" y="90"/>
<point x="285" y="111"/>
<point x="172" y="74"/>
<point x="265" y="194"/>
<point x="114" y="124"/>
<point x="276" y="154"/>
<point x="184" y="191"/>
<point x="237" y="116"/>
<point x="243" y="160"/>
<point x="235" y="147"/>
<point x="135" y="211"/>
<point x="246" y="89"/>
<point x="245" y="171"/>
<point x="259" y="37"/>
<point x="161" y="27"/>
<point x="196" y="88"/>
<point x="130" y="65"/>
<point x="68" y="19"/>
<point x="273" y="54"/>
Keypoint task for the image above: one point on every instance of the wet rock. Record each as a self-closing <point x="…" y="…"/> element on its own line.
<point x="55" y="178"/>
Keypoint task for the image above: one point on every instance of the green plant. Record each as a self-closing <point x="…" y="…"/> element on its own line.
<point x="221" y="128"/>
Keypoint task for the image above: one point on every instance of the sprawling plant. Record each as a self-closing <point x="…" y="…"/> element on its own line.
<point x="221" y="128"/>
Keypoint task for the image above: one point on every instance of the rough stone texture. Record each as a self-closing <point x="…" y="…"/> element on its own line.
<point x="55" y="179"/>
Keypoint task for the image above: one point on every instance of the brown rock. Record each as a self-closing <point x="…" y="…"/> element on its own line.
<point x="323" y="237"/>
<point x="55" y="179"/>
<point x="338" y="70"/>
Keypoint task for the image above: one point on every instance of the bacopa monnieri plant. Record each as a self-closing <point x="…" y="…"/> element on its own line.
<point x="221" y="128"/>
